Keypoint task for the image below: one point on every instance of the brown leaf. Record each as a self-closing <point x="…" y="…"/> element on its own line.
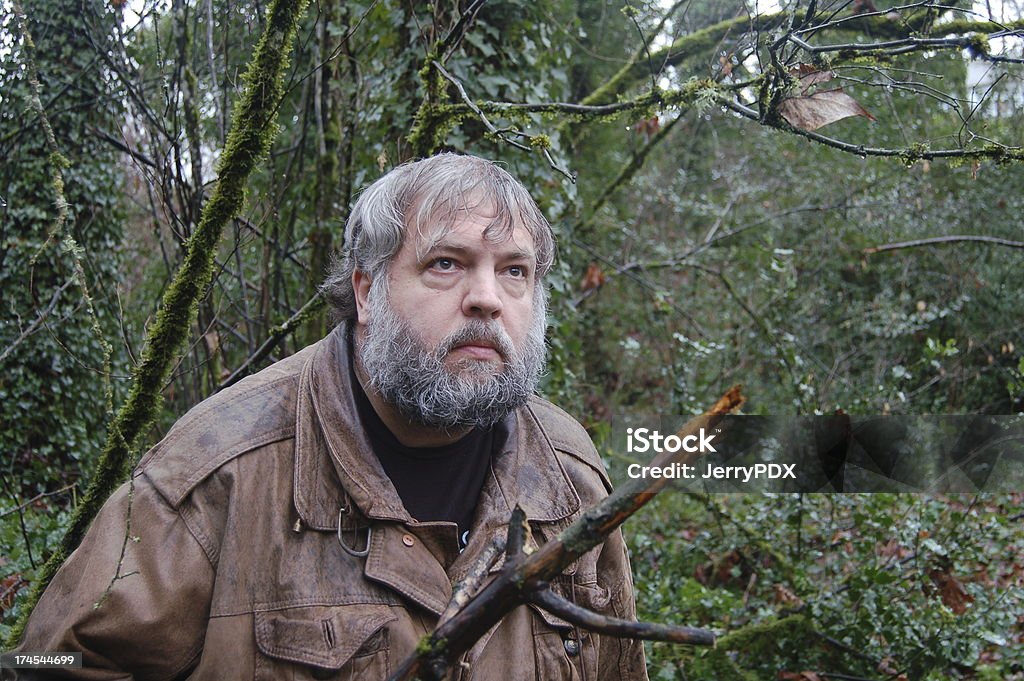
<point x="887" y="666"/>
<point x="9" y="587"/>
<point x="785" y="596"/>
<point x="810" y="75"/>
<point x="647" y="127"/>
<point x="892" y="549"/>
<point x="726" y="62"/>
<point x="953" y="594"/>
<point x="813" y="111"/>
<point x="798" y="676"/>
<point x="594" y="277"/>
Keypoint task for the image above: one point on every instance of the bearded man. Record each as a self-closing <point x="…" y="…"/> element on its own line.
<point x="310" y="521"/>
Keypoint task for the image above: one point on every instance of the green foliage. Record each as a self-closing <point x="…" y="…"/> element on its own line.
<point x="55" y="375"/>
<point x="869" y="584"/>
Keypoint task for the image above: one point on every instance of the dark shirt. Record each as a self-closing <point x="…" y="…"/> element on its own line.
<point x="434" y="483"/>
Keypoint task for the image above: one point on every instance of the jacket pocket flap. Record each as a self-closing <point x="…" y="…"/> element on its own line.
<point x="322" y="636"/>
<point x="590" y="596"/>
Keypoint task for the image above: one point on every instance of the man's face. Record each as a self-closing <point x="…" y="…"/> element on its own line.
<point x="456" y="337"/>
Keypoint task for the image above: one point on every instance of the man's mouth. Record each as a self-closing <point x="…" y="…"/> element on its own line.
<point x="479" y="350"/>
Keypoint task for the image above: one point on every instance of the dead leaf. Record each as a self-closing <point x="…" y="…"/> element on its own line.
<point x="785" y="596"/>
<point x="810" y="75"/>
<point x="816" y="110"/>
<point x="725" y="61"/>
<point x="952" y="592"/>
<point x="887" y="666"/>
<point x="719" y="570"/>
<point x="594" y="278"/>
<point x="647" y="127"/>
<point x="9" y="587"/>
<point x="798" y="676"/>
<point x="892" y="549"/>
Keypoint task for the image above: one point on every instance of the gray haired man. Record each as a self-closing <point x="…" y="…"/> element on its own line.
<point x="309" y="522"/>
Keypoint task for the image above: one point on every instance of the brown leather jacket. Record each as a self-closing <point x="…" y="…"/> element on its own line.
<point x="233" y="568"/>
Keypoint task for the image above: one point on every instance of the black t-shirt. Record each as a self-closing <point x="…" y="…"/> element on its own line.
<point x="434" y="483"/>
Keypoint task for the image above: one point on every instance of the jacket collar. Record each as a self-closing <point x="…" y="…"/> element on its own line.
<point x="335" y="466"/>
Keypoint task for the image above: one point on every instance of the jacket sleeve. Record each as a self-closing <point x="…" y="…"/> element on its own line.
<point x="620" y="658"/>
<point x="133" y="598"/>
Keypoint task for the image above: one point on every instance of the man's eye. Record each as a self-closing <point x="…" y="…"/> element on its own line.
<point x="517" y="271"/>
<point x="443" y="264"/>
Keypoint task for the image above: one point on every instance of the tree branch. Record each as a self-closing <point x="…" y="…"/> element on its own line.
<point x="535" y="140"/>
<point x="943" y="240"/>
<point x="619" y="628"/>
<point x="526" y="574"/>
<point x="277" y="334"/>
<point x="996" y="152"/>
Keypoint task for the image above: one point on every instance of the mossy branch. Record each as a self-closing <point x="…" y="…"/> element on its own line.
<point x="252" y="132"/>
<point x="686" y="47"/>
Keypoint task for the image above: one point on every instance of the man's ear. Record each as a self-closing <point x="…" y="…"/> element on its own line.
<point x="361" y="292"/>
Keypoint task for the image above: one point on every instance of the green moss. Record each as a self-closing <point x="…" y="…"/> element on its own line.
<point x="978" y="45"/>
<point x="540" y="142"/>
<point x="430" y="647"/>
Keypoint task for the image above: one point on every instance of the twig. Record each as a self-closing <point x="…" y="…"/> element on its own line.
<point x="117" y="576"/>
<point x="942" y="240"/>
<point x="997" y="152"/>
<point x="458" y="32"/>
<point x="613" y="626"/>
<point x="498" y="133"/>
<point x="470" y="584"/>
<point x="22" y="506"/>
<point x="879" y="13"/>
<point x="277" y="334"/>
<point x="631" y="12"/>
<point x="38" y="320"/>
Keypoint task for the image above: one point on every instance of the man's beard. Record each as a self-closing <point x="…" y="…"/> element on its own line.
<point x="416" y="381"/>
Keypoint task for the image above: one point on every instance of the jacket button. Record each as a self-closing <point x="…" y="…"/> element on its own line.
<point x="408" y="540"/>
<point x="572" y="647"/>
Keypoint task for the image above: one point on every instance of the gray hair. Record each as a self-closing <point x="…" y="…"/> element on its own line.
<point x="421" y="195"/>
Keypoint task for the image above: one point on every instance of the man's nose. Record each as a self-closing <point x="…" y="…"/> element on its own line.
<point x="483" y="298"/>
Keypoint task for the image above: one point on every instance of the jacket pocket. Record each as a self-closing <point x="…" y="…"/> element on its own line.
<point x="562" y="650"/>
<point x="323" y="642"/>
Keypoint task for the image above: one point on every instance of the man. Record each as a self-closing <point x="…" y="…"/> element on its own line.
<point x="310" y="521"/>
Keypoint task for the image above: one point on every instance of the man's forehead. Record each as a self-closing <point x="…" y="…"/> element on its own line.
<point x="468" y="228"/>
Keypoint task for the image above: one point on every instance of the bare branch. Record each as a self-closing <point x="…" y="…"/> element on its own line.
<point x="613" y="626"/>
<point x="534" y="139"/>
<point x="475" y="576"/>
<point x="25" y="504"/>
<point x="277" y="334"/>
<point x="40" y="318"/>
<point x="943" y="240"/>
<point x="995" y="152"/>
<point x="522" y="577"/>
